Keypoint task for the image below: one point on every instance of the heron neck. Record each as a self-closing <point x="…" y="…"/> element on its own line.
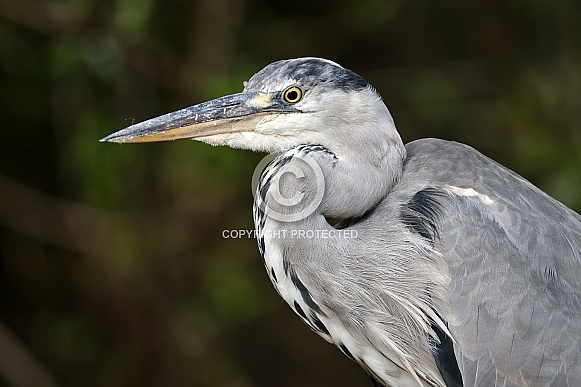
<point x="369" y="160"/>
<point x="313" y="181"/>
<point x="358" y="181"/>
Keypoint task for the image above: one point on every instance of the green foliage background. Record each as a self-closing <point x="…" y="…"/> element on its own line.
<point x="113" y="267"/>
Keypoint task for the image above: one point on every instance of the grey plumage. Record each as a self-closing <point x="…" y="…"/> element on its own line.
<point x="514" y="263"/>
<point x="447" y="268"/>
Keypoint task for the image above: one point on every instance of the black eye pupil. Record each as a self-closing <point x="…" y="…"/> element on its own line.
<point x="292" y="95"/>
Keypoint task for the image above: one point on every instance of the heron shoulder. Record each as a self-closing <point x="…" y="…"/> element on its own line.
<point x="498" y="230"/>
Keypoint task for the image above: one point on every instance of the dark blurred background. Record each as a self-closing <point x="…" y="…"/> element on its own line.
<point x="113" y="267"/>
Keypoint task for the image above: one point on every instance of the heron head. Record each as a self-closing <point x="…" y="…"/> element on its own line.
<point x="287" y="103"/>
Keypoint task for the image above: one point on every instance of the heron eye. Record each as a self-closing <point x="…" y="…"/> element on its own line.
<point x="293" y="94"/>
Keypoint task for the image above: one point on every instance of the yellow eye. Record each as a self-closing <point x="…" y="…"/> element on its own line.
<point x="293" y="94"/>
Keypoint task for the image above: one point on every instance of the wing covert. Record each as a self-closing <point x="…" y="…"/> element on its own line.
<point x="514" y="257"/>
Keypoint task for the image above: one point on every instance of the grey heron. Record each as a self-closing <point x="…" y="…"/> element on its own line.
<point x="446" y="268"/>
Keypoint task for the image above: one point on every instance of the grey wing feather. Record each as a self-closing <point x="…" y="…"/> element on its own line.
<point x="514" y="256"/>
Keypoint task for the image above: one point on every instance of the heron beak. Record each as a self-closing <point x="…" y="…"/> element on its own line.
<point x="230" y="114"/>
